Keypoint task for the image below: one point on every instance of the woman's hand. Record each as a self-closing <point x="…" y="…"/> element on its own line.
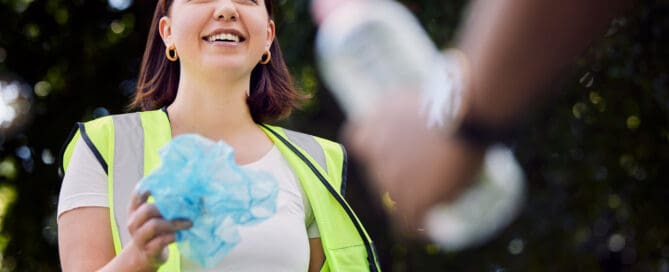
<point x="151" y="234"/>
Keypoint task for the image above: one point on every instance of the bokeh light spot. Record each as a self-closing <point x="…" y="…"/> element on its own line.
<point x="579" y="110"/>
<point x="15" y="104"/>
<point x="7" y="197"/>
<point x="516" y="246"/>
<point x="61" y="16"/>
<point x="100" y="112"/>
<point x="23" y="152"/>
<point x="32" y="31"/>
<point x="616" y="242"/>
<point x="595" y="98"/>
<point x="587" y="80"/>
<point x="7" y="113"/>
<point x="633" y="122"/>
<point x="42" y="88"/>
<point x="117" y="27"/>
<point x="120" y="4"/>
<point x="47" y="157"/>
<point x="21" y="5"/>
<point x="614" y="201"/>
<point x="8" y="168"/>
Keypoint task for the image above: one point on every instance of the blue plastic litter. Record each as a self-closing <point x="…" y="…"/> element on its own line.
<point x="199" y="180"/>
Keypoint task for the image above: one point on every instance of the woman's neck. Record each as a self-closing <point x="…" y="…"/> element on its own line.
<point x="214" y="108"/>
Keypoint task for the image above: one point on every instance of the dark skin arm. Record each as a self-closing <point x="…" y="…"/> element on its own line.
<point x="516" y="47"/>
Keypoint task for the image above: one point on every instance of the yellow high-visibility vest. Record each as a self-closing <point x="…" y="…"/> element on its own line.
<point x="127" y="145"/>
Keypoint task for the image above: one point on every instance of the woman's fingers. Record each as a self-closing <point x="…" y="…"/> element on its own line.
<point x="151" y="233"/>
<point x="148" y="246"/>
<point x="162" y="239"/>
<point x="141" y="215"/>
<point x="157" y="233"/>
<point x="155" y="246"/>
<point x="138" y="199"/>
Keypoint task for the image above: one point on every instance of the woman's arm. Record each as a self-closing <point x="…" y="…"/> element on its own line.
<point x="317" y="255"/>
<point x="85" y="239"/>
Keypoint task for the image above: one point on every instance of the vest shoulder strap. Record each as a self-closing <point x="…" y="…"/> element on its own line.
<point x="328" y="157"/>
<point x="97" y="134"/>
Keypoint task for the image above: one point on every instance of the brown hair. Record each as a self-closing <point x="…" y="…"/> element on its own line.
<point x="272" y="93"/>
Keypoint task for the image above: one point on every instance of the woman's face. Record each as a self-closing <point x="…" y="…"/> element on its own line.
<point x="211" y="35"/>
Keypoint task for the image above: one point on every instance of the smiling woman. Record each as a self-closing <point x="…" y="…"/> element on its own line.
<point x="271" y="95"/>
<point x="214" y="68"/>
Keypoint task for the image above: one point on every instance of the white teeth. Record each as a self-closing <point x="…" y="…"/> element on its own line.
<point x="224" y="37"/>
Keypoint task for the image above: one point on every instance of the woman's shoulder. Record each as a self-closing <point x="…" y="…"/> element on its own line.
<point x="312" y="144"/>
<point x="294" y="135"/>
<point x="107" y="121"/>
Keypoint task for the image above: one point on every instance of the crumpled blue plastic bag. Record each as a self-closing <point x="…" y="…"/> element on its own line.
<point x="199" y="180"/>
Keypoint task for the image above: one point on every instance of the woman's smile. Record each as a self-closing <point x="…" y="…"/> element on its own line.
<point x="225" y="37"/>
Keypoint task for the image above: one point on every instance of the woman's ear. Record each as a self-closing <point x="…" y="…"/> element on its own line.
<point x="165" y="30"/>
<point x="271" y="32"/>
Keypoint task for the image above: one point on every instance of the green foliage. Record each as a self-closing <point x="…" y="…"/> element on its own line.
<point x="595" y="154"/>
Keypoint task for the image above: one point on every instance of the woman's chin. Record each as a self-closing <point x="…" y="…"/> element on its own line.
<point x="229" y="69"/>
<point x="228" y="66"/>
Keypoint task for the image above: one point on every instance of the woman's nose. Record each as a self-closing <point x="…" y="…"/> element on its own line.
<point x="226" y="11"/>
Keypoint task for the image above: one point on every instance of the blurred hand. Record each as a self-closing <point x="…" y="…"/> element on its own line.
<point x="417" y="166"/>
<point x="151" y="234"/>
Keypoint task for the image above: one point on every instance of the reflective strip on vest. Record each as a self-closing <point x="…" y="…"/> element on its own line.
<point x="308" y="144"/>
<point x="128" y="167"/>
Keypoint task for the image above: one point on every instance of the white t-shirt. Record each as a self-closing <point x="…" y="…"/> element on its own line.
<point x="279" y="243"/>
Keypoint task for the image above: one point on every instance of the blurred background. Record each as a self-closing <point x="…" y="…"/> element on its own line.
<point x="597" y="154"/>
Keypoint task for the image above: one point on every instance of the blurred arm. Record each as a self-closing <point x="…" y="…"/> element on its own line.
<point x="516" y="47"/>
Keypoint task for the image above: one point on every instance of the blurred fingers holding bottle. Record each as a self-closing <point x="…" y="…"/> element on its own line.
<point x="404" y="101"/>
<point x="425" y="146"/>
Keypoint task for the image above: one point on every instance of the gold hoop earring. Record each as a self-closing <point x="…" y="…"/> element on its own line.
<point x="266" y="58"/>
<point x="171" y="56"/>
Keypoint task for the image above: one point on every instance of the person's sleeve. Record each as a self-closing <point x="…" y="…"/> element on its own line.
<point x="312" y="226"/>
<point x="84" y="183"/>
<point x="312" y="230"/>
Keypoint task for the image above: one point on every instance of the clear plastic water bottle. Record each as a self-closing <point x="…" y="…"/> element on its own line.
<point x="369" y="50"/>
<point x="379" y="47"/>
